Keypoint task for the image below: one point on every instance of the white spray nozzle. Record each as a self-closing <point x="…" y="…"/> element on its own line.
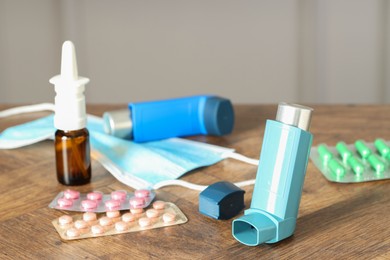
<point x="69" y="62"/>
<point x="69" y="73"/>
<point x="70" y="111"/>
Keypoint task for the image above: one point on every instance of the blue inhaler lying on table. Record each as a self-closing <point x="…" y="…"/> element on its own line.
<point x="156" y="120"/>
<point x="279" y="181"/>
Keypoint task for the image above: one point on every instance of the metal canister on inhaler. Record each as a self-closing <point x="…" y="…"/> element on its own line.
<point x="280" y="176"/>
<point x="161" y="119"/>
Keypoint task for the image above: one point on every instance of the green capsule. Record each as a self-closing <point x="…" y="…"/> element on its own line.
<point x="343" y="150"/>
<point x="324" y="153"/>
<point x="336" y="168"/>
<point x="362" y="149"/>
<point x="376" y="163"/>
<point x="357" y="167"/>
<point x="382" y="147"/>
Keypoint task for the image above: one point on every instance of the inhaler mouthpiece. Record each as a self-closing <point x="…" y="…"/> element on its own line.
<point x="294" y="115"/>
<point x="69" y="102"/>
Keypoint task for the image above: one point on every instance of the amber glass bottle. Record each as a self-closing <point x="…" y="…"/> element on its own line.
<point x="73" y="158"/>
<point x="71" y="142"/>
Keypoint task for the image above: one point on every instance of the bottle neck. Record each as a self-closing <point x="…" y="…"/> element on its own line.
<point x="72" y="133"/>
<point x="70" y="108"/>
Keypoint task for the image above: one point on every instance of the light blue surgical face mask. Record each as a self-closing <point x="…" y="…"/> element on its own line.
<point x="138" y="165"/>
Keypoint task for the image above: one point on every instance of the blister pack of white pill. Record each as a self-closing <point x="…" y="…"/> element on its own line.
<point x="96" y="201"/>
<point x="91" y="224"/>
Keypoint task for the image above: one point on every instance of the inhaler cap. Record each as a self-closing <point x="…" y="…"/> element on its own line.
<point x="70" y="112"/>
<point x="118" y="123"/>
<point x="218" y="116"/>
<point x="295" y="115"/>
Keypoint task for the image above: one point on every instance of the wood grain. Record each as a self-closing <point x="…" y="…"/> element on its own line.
<point x="336" y="221"/>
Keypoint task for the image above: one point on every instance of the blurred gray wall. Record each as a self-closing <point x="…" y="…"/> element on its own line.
<point x="251" y="51"/>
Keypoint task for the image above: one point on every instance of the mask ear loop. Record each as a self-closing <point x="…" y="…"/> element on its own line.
<point x="27" y="109"/>
<point x="193" y="186"/>
<point x="197" y="187"/>
<point x="242" y="158"/>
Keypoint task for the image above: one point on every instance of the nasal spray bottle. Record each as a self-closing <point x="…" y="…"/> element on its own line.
<point x="278" y="188"/>
<point x="154" y="120"/>
<point x="72" y="147"/>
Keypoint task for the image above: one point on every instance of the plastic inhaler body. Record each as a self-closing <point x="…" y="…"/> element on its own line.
<point x="156" y="120"/>
<point x="72" y="146"/>
<point x="279" y="181"/>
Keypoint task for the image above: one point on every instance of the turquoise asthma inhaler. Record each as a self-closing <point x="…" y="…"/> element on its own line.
<point x="280" y="176"/>
<point x="178" y="117"/>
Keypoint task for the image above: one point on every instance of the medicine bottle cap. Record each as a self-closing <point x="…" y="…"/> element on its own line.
<point x="70" y="112"/>
<point x="295" y="115"/>
<point x="218" y="116"/>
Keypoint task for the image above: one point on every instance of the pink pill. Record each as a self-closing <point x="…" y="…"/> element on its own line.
<point x="80" y="224"/>
<point x="105" y="221"/>
<point x="128" y="217"/>
<point x="152" y="213"/>
<point x="89" y="204"/>
<point x="168" y="217"/>
<point x="112" y="204"/>
<point x="73" y="232"/>
<point x="159" y="204"/>
<point x="65" y="219"/>
<point x="137" y="202"/>
<point x="120" y="226"/>
<point x="144" y="222"/>
<point x="113" y="214"/>
<point x="118" y="195"/>
<point x="89" y="216"/>
<point x="97" y="230"/>
<point x="142" y="193"/>
<point x="95" y="195"/>
<point x="71" y="194"/>
<point x="64" y="203"/>
<point x="137" y="211"/>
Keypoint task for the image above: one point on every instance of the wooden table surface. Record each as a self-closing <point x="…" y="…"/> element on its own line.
<point x="336" y="221"/>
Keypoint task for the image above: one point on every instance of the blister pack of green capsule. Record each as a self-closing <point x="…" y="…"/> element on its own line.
<point x="349" y="163"/>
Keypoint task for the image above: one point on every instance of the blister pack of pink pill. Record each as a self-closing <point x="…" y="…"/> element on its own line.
<point x="96" y="201"/>
<point x="91" y="224"/>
